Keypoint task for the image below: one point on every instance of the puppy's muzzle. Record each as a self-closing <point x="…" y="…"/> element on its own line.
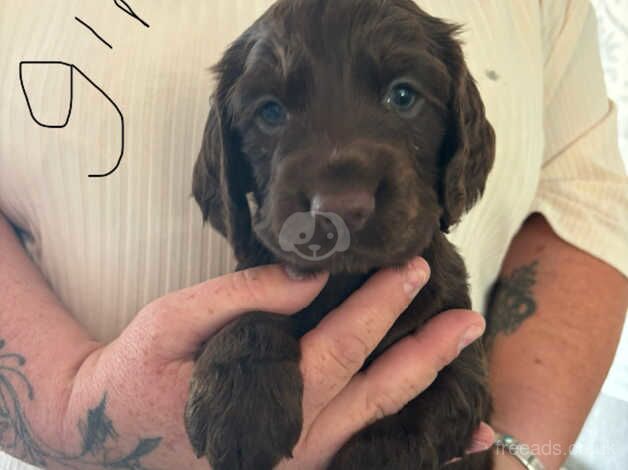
<point x="354" y="207"/>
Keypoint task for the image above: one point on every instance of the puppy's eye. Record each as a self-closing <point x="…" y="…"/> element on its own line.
<point x="404" y="99"/>
<point x="271" y="115"/>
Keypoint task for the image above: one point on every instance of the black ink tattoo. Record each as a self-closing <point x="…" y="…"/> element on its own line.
<point x="97" y="430"/>
<point x="512" y="302"/>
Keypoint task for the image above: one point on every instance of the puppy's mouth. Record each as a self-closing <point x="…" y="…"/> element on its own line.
<point x="308" y="243"/>
<point x="315" y="237"/>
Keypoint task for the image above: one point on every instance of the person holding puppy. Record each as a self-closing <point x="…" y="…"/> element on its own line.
<point x="87" y="381"/>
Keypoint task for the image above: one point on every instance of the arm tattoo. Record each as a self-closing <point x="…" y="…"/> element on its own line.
<point x="512" y="302"/>
<point x="98" y="434"/>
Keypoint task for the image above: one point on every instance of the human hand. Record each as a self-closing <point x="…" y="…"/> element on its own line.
<point x="338" y="400"/>
<point x="144" y="374"/>
<point x="141" y="379"/>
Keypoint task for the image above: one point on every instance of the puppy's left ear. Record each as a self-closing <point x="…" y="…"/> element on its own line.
<point x="469" y="147"/>
<point x="222" y="177"/>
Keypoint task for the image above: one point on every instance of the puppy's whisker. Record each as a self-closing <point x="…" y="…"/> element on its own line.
<point x="252" y="202"/>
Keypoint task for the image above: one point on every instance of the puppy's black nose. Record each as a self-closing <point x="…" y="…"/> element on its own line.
<point x="354" y="207"/>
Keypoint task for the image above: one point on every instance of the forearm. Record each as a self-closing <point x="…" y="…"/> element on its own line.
<point x="43" y="347"/>
<point x="555" y="318"/>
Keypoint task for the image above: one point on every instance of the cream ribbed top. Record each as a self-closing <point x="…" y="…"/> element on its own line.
<point x="110" y="245"/>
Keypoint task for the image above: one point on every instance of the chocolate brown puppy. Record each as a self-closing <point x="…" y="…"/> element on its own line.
<point x="345" y="136"/>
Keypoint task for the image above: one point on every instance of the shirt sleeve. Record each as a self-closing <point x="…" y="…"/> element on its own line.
<point x="583" y="187"/>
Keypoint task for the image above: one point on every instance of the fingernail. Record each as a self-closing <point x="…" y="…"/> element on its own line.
<point x="483" y="440"/>
<point x="298" y="276"/>
<point x="417" y="274"/>
<point x="293" y="274"/>
<point x="472" y="333"/>
<point x="479" y="446"/>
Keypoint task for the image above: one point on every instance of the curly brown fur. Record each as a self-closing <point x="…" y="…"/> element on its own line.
<point x="402" y="178"/>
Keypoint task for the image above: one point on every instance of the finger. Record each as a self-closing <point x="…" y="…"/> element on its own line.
<point x="337" y="348"/>
<point x="193" y="314"/>
<point x="395" y="378"/>
<point x="483" y="439"/>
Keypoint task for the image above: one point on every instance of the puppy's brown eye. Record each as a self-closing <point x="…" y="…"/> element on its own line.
<point x="403" y="99"/>
<point x="271" y="115"/>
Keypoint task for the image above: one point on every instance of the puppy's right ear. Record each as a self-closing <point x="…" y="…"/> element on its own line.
<point x="469" y="146"/>
<point x="222" y="177"/>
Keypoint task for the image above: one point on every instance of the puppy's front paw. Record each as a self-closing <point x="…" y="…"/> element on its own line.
<point x="244" y="407"/>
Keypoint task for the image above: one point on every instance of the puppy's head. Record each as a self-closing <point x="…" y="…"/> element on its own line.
<point x="342" y="135"/>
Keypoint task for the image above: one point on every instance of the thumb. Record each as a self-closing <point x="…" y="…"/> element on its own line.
<point x="189" y="316"/>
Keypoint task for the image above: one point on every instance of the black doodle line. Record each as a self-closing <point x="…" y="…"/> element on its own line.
<point x="93" y="31"/>
<point x="124" y="6"/>
<point x="53" y="126"/>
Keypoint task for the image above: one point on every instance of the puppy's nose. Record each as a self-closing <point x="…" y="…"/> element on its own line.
<point x="354" y="207"/>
